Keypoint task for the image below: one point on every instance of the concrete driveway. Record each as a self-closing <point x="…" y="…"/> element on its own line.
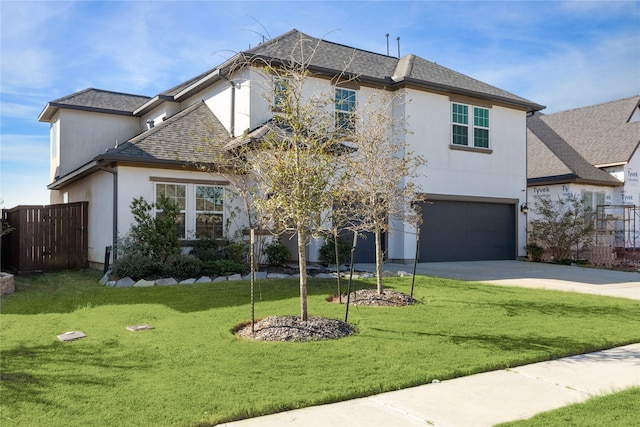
<point x="529" y="274"/>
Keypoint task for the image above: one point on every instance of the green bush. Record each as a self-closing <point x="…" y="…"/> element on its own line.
<point x="213" y="250"/>
<point x="183" y="266"/>
<point x="327" y="253"/>
<point x="136" y="266"/>
<point x="207" y="249"/>
<point x="276" y="253"/>
<point x="223" y="267"/>
<point x="535" y="251"/>
<point x="154" y="236"/>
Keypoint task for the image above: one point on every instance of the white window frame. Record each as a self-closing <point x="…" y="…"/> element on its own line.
<point x="215" y="212"/>
<point x="470" y="124"/>
<point x="345" y="109"/>
<point x="190" y="210"/>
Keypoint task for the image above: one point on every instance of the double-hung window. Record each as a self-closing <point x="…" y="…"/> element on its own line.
<point x="201" y="208"/>
<point x="469" y="124"/>
<point x="177" y="194"/>
<point x="209" y="201"/>
<point x="345" y="102"/>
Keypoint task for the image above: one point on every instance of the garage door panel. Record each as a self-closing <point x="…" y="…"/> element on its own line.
<point x="467" y="231"/>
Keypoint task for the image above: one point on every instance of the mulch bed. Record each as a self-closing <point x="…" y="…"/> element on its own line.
<point x="370" y="297"/>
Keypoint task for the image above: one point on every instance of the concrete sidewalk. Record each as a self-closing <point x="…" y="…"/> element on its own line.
<point x="477" y="400"/>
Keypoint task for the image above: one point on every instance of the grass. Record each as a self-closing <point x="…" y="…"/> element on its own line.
<point x="617" y="409"/>
<point x="191" y="371"/>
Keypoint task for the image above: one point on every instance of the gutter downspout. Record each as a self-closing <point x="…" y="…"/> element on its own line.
<point x="232" y="123"/>
<point x="115" y="209"/>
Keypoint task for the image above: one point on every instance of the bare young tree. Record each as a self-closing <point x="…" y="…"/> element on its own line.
<point x="296" y="162"/>
<point x="381" y="174"/>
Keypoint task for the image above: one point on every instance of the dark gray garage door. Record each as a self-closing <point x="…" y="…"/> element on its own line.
<point x="467" y="231"/>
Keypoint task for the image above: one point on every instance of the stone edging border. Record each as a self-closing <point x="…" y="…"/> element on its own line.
<point x="126" y="282"/>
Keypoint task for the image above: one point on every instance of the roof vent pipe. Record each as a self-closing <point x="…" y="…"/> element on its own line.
<point x="387" y="36"/>
<point x="398" y="39"/>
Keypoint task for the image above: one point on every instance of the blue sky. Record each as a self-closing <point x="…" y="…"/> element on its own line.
<point x="559" y="54"/>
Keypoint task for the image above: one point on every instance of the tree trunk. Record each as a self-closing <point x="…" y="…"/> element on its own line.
<point x="379" y="260"/>
<point x="302" y="265"/>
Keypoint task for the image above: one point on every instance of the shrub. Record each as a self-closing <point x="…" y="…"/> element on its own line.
<point x="562" y="226"/>
<point x="223" y="267"/>
<point x="155" y="236"/>
<point x="236" y="251"/>
<point x="276" y="253"/>
<point x="207" y="249"/>
<point x="213" y="250"/>
<point x="183" y="266"/>
<point x="535" y="251"/>
<point x="136" y="266"/>
<point x="327" y="253"/>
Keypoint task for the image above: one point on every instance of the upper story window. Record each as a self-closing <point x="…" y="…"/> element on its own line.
<point x="463" y="130"/>
<point x="280" y="85"/>
<point x="201" y="208"/>
<point x="345" y="102"/>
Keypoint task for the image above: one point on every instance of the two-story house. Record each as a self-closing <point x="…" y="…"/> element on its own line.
<point x="109" y="148"/>
<point x="592" y="153"/>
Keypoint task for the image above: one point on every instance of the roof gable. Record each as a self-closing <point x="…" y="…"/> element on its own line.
<point x="551" y="158"/>
<point x="183" y="138"/>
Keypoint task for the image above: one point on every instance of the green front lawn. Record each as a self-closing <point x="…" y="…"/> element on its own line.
<point x="617" y="409"/>
<point x="191" y="371"/>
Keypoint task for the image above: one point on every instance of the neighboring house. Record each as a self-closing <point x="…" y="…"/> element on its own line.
<point x="590" y="152"/>
<point x="109" y="148"/>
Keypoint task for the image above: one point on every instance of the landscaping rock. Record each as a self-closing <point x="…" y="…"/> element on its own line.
<point x="324" y="276"/>
<point x="388" y="273"/>
<point x="404" y="274"/>
<point x="260" y="275"/>
<point x="71" y="336"/>
<point x="234" y="277"/>
<point x="7" y="284"/>
<point x="144" y="283"/>
<point x="105" y="278"/>
<point x="125" y="282"/>
<point x="188" y="282"/>
<point x="204" y="279"/>
<point x="220" y="279"/>
<point x="365" y="276"/>
<point x="111" y="283"/>
<point x="166" y="282"/>
<point x="277" y="276"/>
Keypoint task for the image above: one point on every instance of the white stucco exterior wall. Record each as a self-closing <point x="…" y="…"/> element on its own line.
<point x="498" y="175"/>
<point x="84" y="135"/>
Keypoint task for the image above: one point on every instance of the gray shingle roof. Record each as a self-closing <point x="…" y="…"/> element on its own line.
<point x="551" y="158"/>
<point x="186" y="137"/>
<point x="336" y="58"/>
<point x="98" y="100"/>
<point x="601" y="133"/>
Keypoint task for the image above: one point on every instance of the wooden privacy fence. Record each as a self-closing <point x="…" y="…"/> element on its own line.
<point x="46" y="238"/>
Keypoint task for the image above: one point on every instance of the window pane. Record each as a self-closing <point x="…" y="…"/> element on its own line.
<point x="481" y="137"/>
<point x="208" y="226"/>
<point x="209" y="198"/>
<point x="460" y="135"/>
<point x="345" y="100"/>
<point x="175" y="192"/>
<point x="460" y="114"/>
<point x="481" y="117"/>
